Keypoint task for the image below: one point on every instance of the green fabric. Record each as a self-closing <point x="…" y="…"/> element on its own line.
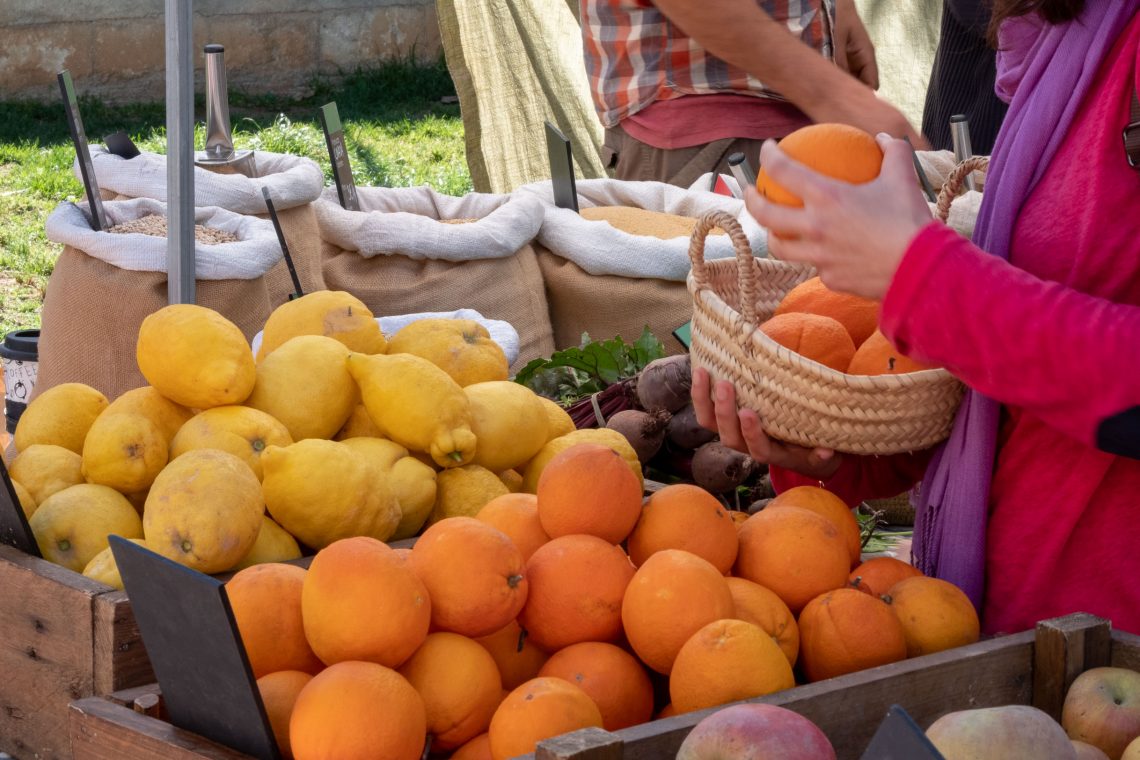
<point x="516" y="64"/>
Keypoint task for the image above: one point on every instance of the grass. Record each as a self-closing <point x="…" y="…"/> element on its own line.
<point x="398" y="132"/>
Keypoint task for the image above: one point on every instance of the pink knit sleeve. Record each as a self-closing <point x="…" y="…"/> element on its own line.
<point x="862" y="477"/>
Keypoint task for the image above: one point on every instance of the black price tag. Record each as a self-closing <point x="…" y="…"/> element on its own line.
<point x="900" y="738"/>
<point x="561" y="168"/>
<point x="338" y="154"/>
<point x="297" y="292"/>
<point x="192" y="641"/>
<point x="79" y="139"/>
<point x="14" y="528"/>
<point x="120" y="144"/>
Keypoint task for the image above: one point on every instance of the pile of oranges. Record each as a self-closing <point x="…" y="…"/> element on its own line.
<point x="577" y="606"/>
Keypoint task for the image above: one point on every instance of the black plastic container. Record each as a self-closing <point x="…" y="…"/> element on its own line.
<point x="20" y="355"/>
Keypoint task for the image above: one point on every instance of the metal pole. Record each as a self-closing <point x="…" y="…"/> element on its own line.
<point x="180" y="151"/>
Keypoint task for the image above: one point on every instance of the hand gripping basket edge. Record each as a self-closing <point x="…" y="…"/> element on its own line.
<point x="799" y="400"/>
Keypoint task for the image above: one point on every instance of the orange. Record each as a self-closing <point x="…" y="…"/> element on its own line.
<point x="821" y="339"/>
<point x="610" y="676"/>
<point x="478" y="748"/>
<point x="361" y="602"/>
<point x="837" y="150"/>
<point x="403" y="553"/>
<point x="358" y="711"/>
<point x="576" y="587"/>
<point x="474" y="573"/>
<point x="846" y="630"/>
<point x="860" y="316"/>
<point x="685" y="517"/>
<point x="540" y="709"/>
<point x="759" y="606"/>
<point x="793" y="552"/>
<point x="671" y="597"/>
<point x="266" y="601"/>
<point x="878" y="357"/>
<point x="516" y="514"/>
<point x="738" y="518"/>
<point x="668" y="711"/>
<point x="935" y="615"/>
<point x="725" y="661"/>
<point x="460" y="686"/>
<point x="518" y="657"/>
<point x="279" y="692"/>
<point x="589" y="488"/>
<point x="876" y="576"/>
<point x="825" y="504"/>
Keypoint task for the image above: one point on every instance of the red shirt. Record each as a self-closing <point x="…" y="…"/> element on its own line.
<point x="1054" y="335"/>
<point x="700" y="119"/>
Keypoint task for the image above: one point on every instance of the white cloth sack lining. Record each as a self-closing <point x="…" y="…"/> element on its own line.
<point x="255" y="252"/>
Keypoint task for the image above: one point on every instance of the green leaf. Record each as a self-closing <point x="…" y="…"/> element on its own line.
<point x="590" y="367"/>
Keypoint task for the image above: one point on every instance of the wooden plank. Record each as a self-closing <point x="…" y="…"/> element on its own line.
<point x="850" y="708"/>
<point x="46" y="652"/>
<point x="589" y="743"/>
<point x="1065" y="648"/>
<point x="103" y="730"/>
<point x="142" y="699"/>
<point x="120" y="657"/>
<point x="1125" y="650"/>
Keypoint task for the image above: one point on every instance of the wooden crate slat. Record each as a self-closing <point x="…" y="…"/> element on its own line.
<point x="1065" y="648"/>
<point x="103" y="730"/>
<point x="120" y="657"/>
<point x="1125" y="650"/>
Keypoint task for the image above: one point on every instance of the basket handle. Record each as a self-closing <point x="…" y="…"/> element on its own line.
<point x="709" y="221"/>
<point x="954" y="182"/>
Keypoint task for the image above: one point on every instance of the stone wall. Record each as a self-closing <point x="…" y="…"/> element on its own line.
<point x="115" y="50"/>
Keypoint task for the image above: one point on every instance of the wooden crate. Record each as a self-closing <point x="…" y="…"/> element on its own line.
<point x="62" y="637"/>
<point x="1030" y="668"/>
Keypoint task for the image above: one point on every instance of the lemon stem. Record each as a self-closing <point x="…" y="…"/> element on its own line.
<point x="455" y="456"/>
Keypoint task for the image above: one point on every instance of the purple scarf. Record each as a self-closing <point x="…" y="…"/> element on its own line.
<point x="1044" y="72"/>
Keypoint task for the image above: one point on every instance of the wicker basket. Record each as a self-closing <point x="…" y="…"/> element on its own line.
<point x="799" y="400"/>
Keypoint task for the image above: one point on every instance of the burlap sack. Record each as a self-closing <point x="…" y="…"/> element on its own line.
<point x="411" y="249"/>
<point x="294" y="183"/>
<point x="105" y="284"/>
<point x="607" y="282"/>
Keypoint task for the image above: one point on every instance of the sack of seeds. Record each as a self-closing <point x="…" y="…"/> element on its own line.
<point x="412" y="249"/>
<point x="294" y="183"/>
<point x="619" y="265"/>
<point x="105" y="283"/>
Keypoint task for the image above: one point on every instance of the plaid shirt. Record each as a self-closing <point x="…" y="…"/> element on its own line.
<point x="634" y="55"/>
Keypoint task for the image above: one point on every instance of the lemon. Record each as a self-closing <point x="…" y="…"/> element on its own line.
<point x="72" y="526"/>
<point x="195" y="357"/>
<point x="204" y="510"/>
<point x="45" y="469"/>
<point x="273" y="544"/>
<point x="412" y="481"/>
<point x="305" y="384"/>
<point x="508" y="421"/>
<point x="463" y="491"/>
<point x="239" y="430"/>
<point x="60" y="416"/>
<point x="27" y="503"/>
<point x="103" y="568"/>
<point x="359" y="425"/>
<point x="124" y="451"/>
<point x="332" y="313"/>
<point x="603" y="436"/>
<point x="512" y="480"/>
<point x="460" y="347"/>
<point x="322" y="491"/>
<point x="148" y="402"/>
<point x="417" y="404"/>
<point x="558" y="420"/>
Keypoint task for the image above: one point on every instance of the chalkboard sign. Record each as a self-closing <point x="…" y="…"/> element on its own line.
<point x="14" y="528"/>
<point x="82" y="151"/>
<point x="561" y="168"/>
<point x="192" y="641"/>
<point x="900" y="738"/>
<point x="297" y="292"/>
<point x="121" y="145"/>
<point x="338" y="154"/>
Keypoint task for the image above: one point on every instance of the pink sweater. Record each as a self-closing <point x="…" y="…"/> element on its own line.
<point x="1054" y="335"/>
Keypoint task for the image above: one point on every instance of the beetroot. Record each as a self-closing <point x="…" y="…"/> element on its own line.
<point x="645" y="431"/>
<point x="684" y="432"/>
<point x="718" y="469"/>
<point x="664" y="384"/>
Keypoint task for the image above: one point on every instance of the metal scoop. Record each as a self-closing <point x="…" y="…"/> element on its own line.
<point x="220" y="154"/>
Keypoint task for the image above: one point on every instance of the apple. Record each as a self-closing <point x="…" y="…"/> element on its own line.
<point x="1102" y="708"/>
<point x="1000" y="733"/>
<point x="1088" y="751"/>
<point x="756" y="732"/>
<point x="1132" y="751"/>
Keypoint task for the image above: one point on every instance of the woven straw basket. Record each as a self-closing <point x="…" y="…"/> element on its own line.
<point x="799" y="400"/>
